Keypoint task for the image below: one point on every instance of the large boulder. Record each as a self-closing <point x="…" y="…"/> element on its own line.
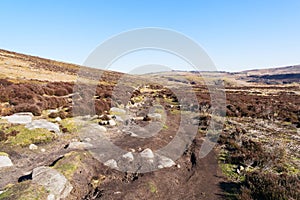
<point x="19" y="118"/>
<point x="53" y="181"/>
<point x="42" y="123"/>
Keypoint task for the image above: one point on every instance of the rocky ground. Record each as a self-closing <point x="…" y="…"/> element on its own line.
<point x="55" y="145"/>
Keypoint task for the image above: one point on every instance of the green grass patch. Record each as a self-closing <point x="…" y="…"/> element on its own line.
<point x="152" y="187"/>
<point x="69" y="164"/>
<point x="24" y="191"/>
<point x="26" y="137"/>
<point x="71" y="125"/>
<point x="165" y="127"/>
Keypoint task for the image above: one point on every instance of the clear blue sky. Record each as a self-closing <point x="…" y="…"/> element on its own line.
<point x="237" y="35"/>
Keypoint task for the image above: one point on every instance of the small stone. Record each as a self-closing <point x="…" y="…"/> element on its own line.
<point x="51" y="197"/>
<point x="112" y="122"/>
<point x="33" y="147"/>
<point x="43" y="150"/>
<point x="242" y="168"/>
<point x="132" y="150"/>
<point x="160" y="166"/>
<point x="5" y="161"/>
<point x="87" y="139"/>
<point x="128" y="156"/>
<point x="58" y="119"/>
<point x="178" y="166"/>
<point x="118" y="192"/>
<point x="147" y="153"/>
<point x="155" y="116"/>
<point x="166" y="162"/>
<point x="111" y="163"/>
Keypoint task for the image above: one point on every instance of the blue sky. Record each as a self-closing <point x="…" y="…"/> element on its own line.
<point x="237" y="35"/>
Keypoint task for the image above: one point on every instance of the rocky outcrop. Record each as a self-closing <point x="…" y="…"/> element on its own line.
<point x="56" y="183"/>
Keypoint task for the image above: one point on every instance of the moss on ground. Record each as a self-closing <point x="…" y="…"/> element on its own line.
<point x="70" y="124"/>
<point x="25" y="137"/>
<point x="69" y="164"/>
<point x="24" y="191"/>
<point x="3" y="154"/>
<point x="152" y="187"/>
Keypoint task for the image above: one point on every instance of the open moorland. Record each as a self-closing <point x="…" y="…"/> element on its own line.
<point x="55" y="117"/>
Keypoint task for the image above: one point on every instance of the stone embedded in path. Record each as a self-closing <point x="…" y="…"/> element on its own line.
<point x="154" y="116"/>
<point x="53" y="181"/>
<point x="128" y="156"/>
<point x="112" y="122"/>
<point x="147" y="153"/>
<point x="5" y="161"/>
<point x="80" y="145"/>
<point x="165" y="162"/>
<point x="111" y="163"/>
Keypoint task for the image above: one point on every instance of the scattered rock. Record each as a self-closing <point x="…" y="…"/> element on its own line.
<point x="79" y="145"/>
<point x="52" y="111"/>
<point x="118" y="192"/>
<point x="51" y="197"/>
<point x="132" y="150"/>
<point x="111" y="163"/>
<point x="33" y="147"/>
<point x="56" y="183"/>
<point x="165" y="162"/>
<point x="128" y="156"/>
<point x="42" y="123"/>
<point x="5" y="161"/>
<point x="19" y="118"/>
<point x="43" y="150"/>
<point x="154" y="116"/>
<point x="58" y="119"/>
<point x="87" y="139"/>
<point x="112" y="122"/>
<point x="147" y="153"/>
<point x="117" y="111"/>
